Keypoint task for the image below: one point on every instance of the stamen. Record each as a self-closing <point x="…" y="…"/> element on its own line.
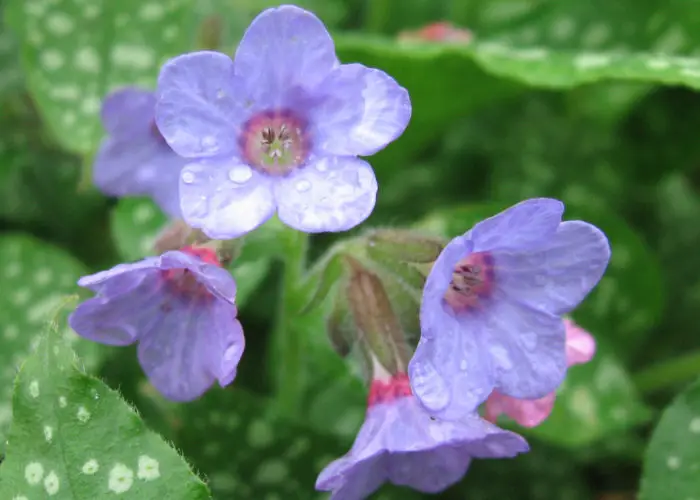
<point x="472" y="281"/>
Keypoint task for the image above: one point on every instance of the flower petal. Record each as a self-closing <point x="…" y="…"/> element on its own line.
<point x="224" y="198"/>
<point x="193" y="344"/>
<point x="526" y="412"/>
<point x="284" y="48"/>
<point x="332" y="194"/>
<point x="449" y="373"/>
<point x="580" y="345"/>
<point x="201" y="105"/>
<point x="140" y="166"/>
<point x="128" y="111"/>
<point x="362" y="110"/>
<point x="526" y="347"/>
<point x="557" y="275"/>
<point x="520" y="226"/>
<point x="120" y="316"/>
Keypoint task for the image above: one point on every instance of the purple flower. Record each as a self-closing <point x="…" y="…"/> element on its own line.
<point x="134" y="159"/>
<point x="180" y="309"/>
<point x="278" y="128"/>
<point x="491" y="314"/>
<point x="399" y="442"/>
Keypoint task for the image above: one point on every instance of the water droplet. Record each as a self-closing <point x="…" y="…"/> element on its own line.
<point x="321" y="166"/>
<point x="529" y="340"/>
<point x="187" y="177"/>
<point x="463" y="365"/>
<point x="303" y="186"/>
<point x="208" y="141"/>
<point x="501" y="357"/>
<point x="240" y="174"/>
<point x="429" y="386"/>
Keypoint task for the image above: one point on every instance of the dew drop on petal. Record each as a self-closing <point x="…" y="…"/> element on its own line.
<point x="240" y="174"/>
<point x="187" y="177"/>
<point x="303" y="186"/>
<point x="321" y="166"/>
<point x="529" y="340"/>
<point x="429" y="386"/>
<point x="208" y="142"/>
<point x="501" y="357"/>
<point x="463" y="365"/>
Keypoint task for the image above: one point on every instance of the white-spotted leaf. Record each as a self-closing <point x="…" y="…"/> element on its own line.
<point x="35" y="278"/>
<point x="74" y="52"/>
<point x="672" y="463"/>
<point x="73" y="438"/>
<point x="247" y="452"/>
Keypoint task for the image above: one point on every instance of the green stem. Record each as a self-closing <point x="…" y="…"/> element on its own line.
<point x="669" y="373"/>
<point x="288" y="344"/>
<point x="378" y="15"/>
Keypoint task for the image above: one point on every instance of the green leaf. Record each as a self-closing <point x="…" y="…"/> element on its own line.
<point x="38" y="182"/>
<point x="35" y="278"/>
<point x="74" y="53"/>
<point x="247" y="451"/>
<point x="544" y="473"/>
<point x="672" y="463"/>
<point x="11" y="76"/>
<point x="137" y="223"/>
<point x="596" y="401"/>
<point x="74" y="438"/>
<point x="567" y="43"/>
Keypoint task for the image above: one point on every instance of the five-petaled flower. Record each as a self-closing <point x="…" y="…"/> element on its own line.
<point x="279" y="128"/>
<point x="134" y="159"/>
<point x="492" y="307"/>
<point x="580" y="348"/>
<point x="401" y="443"/>
<point x="180" y="308"/>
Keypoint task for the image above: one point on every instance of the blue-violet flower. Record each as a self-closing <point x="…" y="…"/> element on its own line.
<point x="134" y="159"/>
<point x="401" y="443"/>
<point x="277" y="129"/>
<point x="491" y="313"/>
<point x="180" y="308"/>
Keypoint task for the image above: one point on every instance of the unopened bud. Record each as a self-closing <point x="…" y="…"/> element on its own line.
<point x="374" y="317"/>
<point x="405" y="245"/>
<point x="341" y="330"/>
<point x="173" y="237"/>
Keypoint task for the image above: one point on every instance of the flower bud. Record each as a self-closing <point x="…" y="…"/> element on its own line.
<point x="378" y="326"/>
<point x="405" y="245"/>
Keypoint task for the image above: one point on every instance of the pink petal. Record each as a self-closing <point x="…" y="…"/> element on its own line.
<point x="526" y="412"/>
<point x="580" y="345"/>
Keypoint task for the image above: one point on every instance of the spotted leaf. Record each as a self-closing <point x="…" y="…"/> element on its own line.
<point x="247" y="452"/>
<point x="35" y="278"/>
<point x="74" y="438"/>
<point x="672" y="463"/>
<point x="75" y="52"/>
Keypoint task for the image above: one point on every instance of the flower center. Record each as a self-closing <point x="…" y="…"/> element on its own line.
<point x="275" y="142"/>
<point x="380" y="391"/>
<point x="183" y="282"/>
<point x="472" y="280"/>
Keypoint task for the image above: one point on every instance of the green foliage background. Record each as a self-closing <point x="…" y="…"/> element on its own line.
<point x="593" y="102"/>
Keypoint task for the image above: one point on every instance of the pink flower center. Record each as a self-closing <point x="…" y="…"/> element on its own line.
<point x="275" y="142"/>
<point x="183" y="282"/>
<point x="381" y="391"/>
<point x="472" y="280"/>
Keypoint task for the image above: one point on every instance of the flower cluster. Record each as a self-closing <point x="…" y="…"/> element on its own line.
<point x="224" y="144"/>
